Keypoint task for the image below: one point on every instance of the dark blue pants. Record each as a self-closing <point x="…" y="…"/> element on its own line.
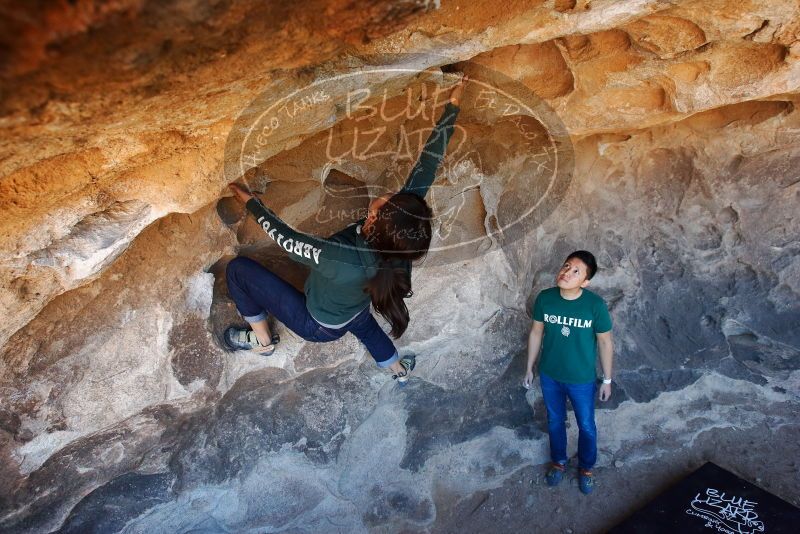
<point x="581" y="396"/>
<point x="258" y="291"/>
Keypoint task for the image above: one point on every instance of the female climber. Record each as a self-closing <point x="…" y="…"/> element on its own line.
<point x="367" y="262"/>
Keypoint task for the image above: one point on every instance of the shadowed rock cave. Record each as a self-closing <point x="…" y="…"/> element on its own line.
<point x="661" y="135"/>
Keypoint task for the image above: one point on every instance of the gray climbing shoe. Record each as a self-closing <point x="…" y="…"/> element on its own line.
<point x="245" y="339"/>
<point x="408" y="363"/>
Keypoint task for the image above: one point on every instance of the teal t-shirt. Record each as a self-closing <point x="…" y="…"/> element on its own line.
<point x="569" y="345"/>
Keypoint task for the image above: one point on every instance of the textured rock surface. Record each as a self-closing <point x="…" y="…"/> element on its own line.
<point x="120" y="411"/>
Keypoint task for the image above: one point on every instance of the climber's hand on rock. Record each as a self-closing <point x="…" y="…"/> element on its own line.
<point x="240" y="193"/>
<point x="605" y="392"/>
<point x="528" y="380"/>
<point x="458" y="90"/>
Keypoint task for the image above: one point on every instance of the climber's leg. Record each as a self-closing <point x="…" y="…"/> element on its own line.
<point x="380" y="347"/>
<point x="257" y="291"/>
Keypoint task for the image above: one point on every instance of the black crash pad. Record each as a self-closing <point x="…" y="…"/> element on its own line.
<point x="712" y="500"/>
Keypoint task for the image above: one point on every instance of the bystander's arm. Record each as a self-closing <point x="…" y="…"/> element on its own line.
<point x="534" y="344"/>
<point x="605" y="346"/>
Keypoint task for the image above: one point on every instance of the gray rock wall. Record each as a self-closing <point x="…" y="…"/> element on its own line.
<point x="697" y="250"/>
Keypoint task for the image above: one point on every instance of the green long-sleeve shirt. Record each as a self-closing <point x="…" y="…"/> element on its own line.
<point x="342" y="264"/>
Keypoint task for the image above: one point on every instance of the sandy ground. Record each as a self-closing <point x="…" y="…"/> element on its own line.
<point x="524" y="503"/>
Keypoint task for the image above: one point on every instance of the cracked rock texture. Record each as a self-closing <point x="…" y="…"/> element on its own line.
<point x="678" y="166"/>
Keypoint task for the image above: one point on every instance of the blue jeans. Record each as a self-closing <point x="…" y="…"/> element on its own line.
<point x="258" y="291"/>
<point x="581" y="396"/>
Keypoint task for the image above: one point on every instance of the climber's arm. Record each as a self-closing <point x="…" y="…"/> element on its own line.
<point x="424" y="172"/>
<point x="303" y="248"/>
<point x="323" y="255"/>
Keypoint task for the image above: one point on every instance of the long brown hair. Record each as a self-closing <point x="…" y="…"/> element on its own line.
<point x="401" y="231"/>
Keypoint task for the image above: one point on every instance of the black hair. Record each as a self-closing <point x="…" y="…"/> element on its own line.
<point x="587" y="258"/>
<point x="401" y="231"/>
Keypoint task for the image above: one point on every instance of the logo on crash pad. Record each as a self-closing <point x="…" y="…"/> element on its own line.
<point x="726" y="513"/>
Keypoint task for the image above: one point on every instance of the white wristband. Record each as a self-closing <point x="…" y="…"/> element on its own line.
<point x="606" y="381"/>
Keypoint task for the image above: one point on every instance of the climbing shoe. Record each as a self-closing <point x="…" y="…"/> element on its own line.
<point x="408" y="363"/>
<point x="585" y="481"/>
<point x="245" y="339"/>
<point x="555" y="474"/>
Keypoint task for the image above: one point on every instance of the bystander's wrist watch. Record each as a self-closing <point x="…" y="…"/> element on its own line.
<point x="606" y="380"/>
